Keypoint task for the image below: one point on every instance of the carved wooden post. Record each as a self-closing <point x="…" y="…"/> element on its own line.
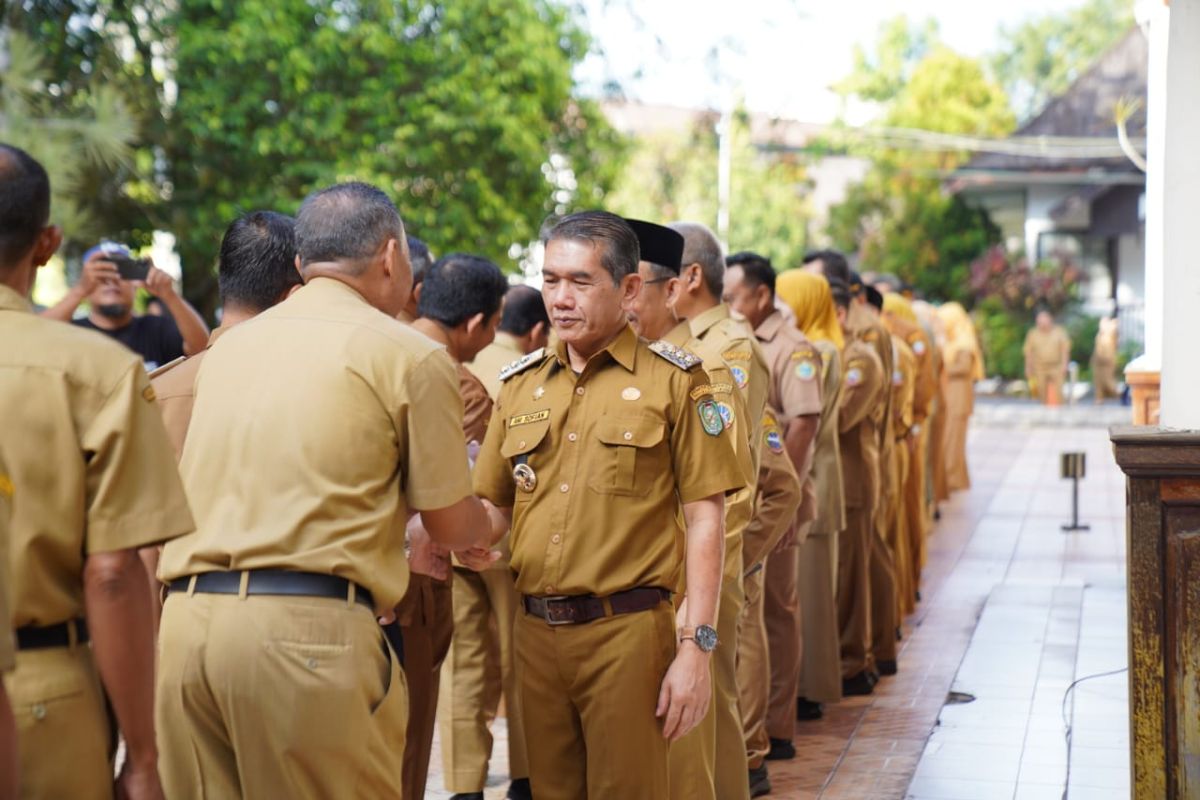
<point x="1163" y="535"/>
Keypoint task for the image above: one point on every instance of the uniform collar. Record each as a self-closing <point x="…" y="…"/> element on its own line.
<point x="10" y="300"/>
<point x="770" y="327"/>
<point x="324" y="285"/>
<point x="700" y="323"/>
<point x="506" y="341"/>
<point x="622" y="350"/>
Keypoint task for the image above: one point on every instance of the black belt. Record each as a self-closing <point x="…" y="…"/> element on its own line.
<point x="578" y="609"/>
<point x="32" y="637"/>
<point x="275" y="582"/>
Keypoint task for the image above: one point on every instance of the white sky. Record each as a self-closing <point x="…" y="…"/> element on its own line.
<point x="779" y="55"/>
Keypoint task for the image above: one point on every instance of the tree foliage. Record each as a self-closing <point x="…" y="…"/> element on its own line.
<point x="454" y="108"/>
<point x="1039" y="58"/>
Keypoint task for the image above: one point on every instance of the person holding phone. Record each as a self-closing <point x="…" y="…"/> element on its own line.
<point x="109" y="281"/>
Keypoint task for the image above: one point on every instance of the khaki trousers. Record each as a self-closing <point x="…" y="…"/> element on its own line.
<point x="898" y="535"/>
<point x="753" y="674"/>
<point x="785" y="636"/>
<point x="64" y="733"/>
<point x="476" y="673"/>
<point x="426" y="618"/>
<point x="268" y="697"/>
<point x="710" y="761"/>
<point x="1049" y="385"/>
<point x="854" y="590"/>
<point x="882" y="576"/>
<point x="588" y="694"/>
<point x="915" y="508"/>
<point x="820" y="657"/>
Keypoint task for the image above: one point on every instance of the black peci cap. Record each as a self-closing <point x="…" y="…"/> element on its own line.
<point x="874" y="297"/>
<point x="659" y="244"/>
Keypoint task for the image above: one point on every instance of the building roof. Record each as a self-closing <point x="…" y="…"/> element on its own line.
<point x="766" y="132"/>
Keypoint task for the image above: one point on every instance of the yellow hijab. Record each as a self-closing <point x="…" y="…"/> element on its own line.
<point x="898" y="306"/>
<point x="809" y="298"/>
<point x="960" y="336"/>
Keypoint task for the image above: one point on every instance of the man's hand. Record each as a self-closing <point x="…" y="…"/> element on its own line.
<point x="96" y="270"/>
<point x="425" y="556"/>
<point x="686" y="692"/>
<point x="158" y="283"/>
<point x="139" y="783"/>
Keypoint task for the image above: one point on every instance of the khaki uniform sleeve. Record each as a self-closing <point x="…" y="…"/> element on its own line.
<point x="477" y="407"/>
<point x="779" y="496"/>
<point x="902" y="409"/>
<point x="705" y="463"/>
<point x="800" y="384"/>
<point x="862" y="385"/>
<point x="133" y="493"/>
<point x="492" y="475"/>
<point x="436" y="471"/>
<point x="926" y="386"/>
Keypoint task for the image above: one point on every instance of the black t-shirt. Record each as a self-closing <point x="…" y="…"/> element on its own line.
<point x="155" y="339"/>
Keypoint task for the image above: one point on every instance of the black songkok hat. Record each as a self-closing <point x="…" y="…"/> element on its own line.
<point x="874" y="297"/>
<point x="659" y="244"/>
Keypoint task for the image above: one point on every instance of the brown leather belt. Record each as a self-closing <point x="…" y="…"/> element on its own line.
<point x="578" y="609"/>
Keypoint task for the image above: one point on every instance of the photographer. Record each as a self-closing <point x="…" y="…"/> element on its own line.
<point x="110" y="296"/>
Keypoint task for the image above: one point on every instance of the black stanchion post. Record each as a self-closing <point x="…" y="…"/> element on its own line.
<point x="1074" y="466"/>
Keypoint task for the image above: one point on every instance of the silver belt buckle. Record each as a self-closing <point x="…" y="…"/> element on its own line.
<point x="551" y="603"/>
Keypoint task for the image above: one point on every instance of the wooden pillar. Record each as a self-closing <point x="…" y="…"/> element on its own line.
<point x="1163" y="535"/>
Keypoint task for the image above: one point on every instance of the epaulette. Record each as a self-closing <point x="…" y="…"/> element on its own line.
<point x="684" y="359"/>
<point x="523" y="363"/>
<point x="167" y="367"/>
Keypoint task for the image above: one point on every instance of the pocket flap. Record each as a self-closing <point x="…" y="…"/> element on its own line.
<point x="630" y="431"/>
<point x="523" y="439"/>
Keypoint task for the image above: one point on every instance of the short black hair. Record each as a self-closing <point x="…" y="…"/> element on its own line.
<point x="834" y="262"/>
<point x="840" y="292"/>
<point x="24" y="203"/>
<point x="257" y="265"/>
<point x="458" y="286"/>
<point x="345" y="222"/>
<point x="619" y="249"/>
<point x="756" y="269"/>
<point x="874" y="297"/>
<point x="523" y="308"/>
<point x="420" y="258"/>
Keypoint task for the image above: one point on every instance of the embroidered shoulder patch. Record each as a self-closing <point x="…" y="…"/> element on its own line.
<point x="684" y="359"/>
<point x="523" y="363"/>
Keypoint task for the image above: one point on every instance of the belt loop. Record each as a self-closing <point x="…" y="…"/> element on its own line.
<point x="351" y="593"/>
<point x="608" y="608"/>
<point x="72" y="634"/>
<point x="191" y="590"/>
<point x="244" y="585"/>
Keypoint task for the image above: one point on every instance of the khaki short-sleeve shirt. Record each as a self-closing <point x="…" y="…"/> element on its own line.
<point x="174" y="387"/>
<point x="795" y="369"/>
<point x="87" y="456"/>
<point x="318" y="426"/>
<point x="827" y="457"/>
<point x="8" y="650"/>
<point x="492" y="359"/>
<point x="865" y="387"/>
<point x="609" y="456"/>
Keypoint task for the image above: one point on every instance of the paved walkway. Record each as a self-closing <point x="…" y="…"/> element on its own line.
<point x="1014" y="611"/>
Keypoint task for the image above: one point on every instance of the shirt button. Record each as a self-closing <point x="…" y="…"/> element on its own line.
<point x="556" y="538"/>
<point x="578" y="390"/>
<point x="521" y="445"/>
<point x="628" y="436"/>
<point x="572" y="436"/>
<point x="39" y="711"/>
<point x="549" y="589"/>
<point x="564" y="488"/>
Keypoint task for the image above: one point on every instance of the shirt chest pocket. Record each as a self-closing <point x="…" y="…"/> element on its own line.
<point x="630" y="454"/>
<point x="518" y="448"/>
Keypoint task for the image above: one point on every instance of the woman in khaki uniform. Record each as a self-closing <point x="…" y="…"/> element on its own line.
<point x="809" y="298"/>
<point x="963" y="365"/>
<point x="1104" y="361"/>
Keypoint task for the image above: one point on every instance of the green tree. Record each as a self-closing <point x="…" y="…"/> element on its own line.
<point x="672" y="175"/>
<point x="1039" y="58"/>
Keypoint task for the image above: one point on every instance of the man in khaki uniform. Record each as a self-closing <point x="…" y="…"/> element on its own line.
<point x="614" y="459"/>
<point x="795" y="397"/>
<point x="524" y="327"/>
<point x="9" y="754"/>
<point x="460" y="308"/>
<point x="707" y="319"/>
<point x="420" y="260"/>
<point x="93" y="480"/>
<point x="318" y="427"/>
<point x="693" y="759"/>
<point x="1047" y="353"/>
<point x="864" y="385"/>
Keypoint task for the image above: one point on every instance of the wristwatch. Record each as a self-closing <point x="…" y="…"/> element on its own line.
<point x="705" y="636"/>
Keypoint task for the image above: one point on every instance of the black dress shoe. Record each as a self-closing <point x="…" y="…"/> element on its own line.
<point x="467" y="796"/>
<point x="808" y="710"/>
<point x="781" y="750"/>
<point x="858" y="685"/>
<point x="519" y="790"/>
<point x="760" y="782"/>
<point x="873" y="676"/>
<point x="887" y="667"/>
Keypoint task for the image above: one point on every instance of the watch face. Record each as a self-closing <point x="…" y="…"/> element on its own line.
<point x="706" y="638"/>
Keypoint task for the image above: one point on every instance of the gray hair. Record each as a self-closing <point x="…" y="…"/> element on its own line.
<point x="700" y="246"/>
<point x="348" y="223"/>
<point x="619" y="249"/>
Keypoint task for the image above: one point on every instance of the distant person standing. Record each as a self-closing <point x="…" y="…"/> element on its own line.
<point x="524" y="327"/>
<point x="962" y="365"/>
<point x="1104" y="361"/>
<point x="157" y="339"/>
<point x="1047" y="351"/>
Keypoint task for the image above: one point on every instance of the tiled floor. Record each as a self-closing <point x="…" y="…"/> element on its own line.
<point x="1014" y="610"/>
